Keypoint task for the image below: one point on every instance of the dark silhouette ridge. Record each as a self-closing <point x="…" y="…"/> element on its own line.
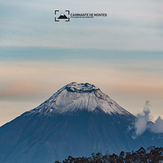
<point x="151" y="155"/>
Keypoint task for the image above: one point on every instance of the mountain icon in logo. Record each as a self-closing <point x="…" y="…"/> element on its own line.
<point x="62" y="16"/>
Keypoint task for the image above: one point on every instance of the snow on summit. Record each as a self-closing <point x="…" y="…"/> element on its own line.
<point x="78" y="96"/>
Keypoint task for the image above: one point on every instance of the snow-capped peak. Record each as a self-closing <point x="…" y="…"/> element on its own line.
<point x="74" y="97"/>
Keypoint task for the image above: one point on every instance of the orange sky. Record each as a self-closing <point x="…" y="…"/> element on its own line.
<point x="34" y="82"/>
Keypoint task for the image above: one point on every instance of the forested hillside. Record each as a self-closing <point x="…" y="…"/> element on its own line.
<point x="151" y="155"/>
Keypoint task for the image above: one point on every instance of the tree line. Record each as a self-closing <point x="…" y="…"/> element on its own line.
<point x="151" y="155"/>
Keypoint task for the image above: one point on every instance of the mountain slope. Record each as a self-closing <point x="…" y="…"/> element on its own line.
<point x="74" y="97"/>
<point x="77" y="120"/>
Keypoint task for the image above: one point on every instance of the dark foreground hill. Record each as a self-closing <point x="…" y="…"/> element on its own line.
<point x="77" y="120"/>
<point x="151" y="155"/>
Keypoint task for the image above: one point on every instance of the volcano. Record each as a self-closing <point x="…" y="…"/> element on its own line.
<point x="77" y="120"/>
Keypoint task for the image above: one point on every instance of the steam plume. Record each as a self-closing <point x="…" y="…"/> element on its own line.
<point x="143" y="122"/>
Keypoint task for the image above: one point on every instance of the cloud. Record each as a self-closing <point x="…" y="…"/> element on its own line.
<point x="142" y="119"/>
<point x="157" y="126"/>
<point x="129" y="25"/>
<point x="21" y="89"/>
<point x="32" y="77"/>
<point x="143" y="122"/>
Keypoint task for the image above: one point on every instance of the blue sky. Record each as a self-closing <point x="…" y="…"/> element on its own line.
<point x="121" y="53"/>
<point x="129" y="25"/>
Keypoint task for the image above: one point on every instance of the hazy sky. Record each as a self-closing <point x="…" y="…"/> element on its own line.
<point x="121" y="53"/>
